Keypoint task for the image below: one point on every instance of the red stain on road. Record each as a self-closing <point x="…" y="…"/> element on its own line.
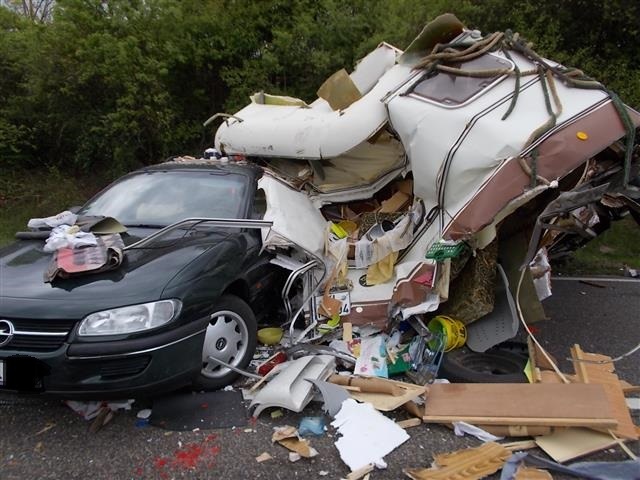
<point x="188" y="457"/>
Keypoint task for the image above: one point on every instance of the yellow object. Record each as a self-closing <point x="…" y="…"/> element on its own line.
<point x="582" y="136"/>
<point x="528" y="371"/>
<point x="454" y="331"/>
<point x="339" y="90"/>
<point x="348" y="226"/>
<point x="262" y="98"/>
<point x="331" y="324"/>
<point x="382" y="271"/>
<point x="338" y="230"/>
<point x="270" y="335"/>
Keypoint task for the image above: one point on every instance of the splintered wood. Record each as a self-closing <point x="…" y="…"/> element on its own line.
<point x="603" y="374"/>
<point x="467" y="464"/>
<point x="383" y="394"/>
<point x="538" y="404"/>
<point x="526" y="473"/>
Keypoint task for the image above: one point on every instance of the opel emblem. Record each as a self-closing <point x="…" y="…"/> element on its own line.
<point x="6" y="332"/>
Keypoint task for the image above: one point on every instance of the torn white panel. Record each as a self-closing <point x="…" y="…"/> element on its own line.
<point x="465" y="139"/>
<point x="332" y="394"/>
<point x="371" y="249"/>
<point x="375" y="64"/>
<point x="295" y="219"/>
<point x="309" y="133"/>
<point x="485" y="236"/>
<point x="367" y="435"/>
<point x="290" y="388"/>
<point x="541" y="272"/>
<point x="430" y="304"/>
<point x="361" y="167"/>
<point x="287" y="263"/>
<point x="499" y="325"/>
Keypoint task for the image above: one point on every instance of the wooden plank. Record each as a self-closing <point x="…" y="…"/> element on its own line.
<point x="385" y="401"/>
<point x="414" y="409"/>
<point x="627" y="388"/>
<point x="602" y="423"/>
<point x="570" y="443"/>
<point x="347" y="332"/>
<point x="573" y="403"/>
<point x="603" y="374"/>
<point x="521" y="445"/>
<point x="537" y="358"/>
<point x="516" y="430"/>
<point x="549" y="376"/>
<point x="410" y="422"/>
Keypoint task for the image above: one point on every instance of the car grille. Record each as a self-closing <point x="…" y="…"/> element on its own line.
<point x="125" y="367"/>
<point x="38" y="340"/>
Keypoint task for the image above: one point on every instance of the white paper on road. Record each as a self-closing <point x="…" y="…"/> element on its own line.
<point x="367" y="435"/>
<point x="460" y="428"/>
<point x="633" y="403"/>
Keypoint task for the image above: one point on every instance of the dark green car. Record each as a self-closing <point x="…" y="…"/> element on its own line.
<point x="182" y="295"/>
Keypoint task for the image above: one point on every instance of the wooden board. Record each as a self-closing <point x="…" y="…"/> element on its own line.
<point x="602" y="374"/>
<point x="385" y="402"/>
<point x="569" y="443"/>
<point x="519" y="404"/>
<point x="410" y="422"/>
<point x="516" y="430"/>
<point x="599" y="423"/>
<point x="549" y="376"/>
<point x="627" y="388"/>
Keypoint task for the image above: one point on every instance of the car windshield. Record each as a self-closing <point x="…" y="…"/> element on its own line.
<point x="160" y="198"/>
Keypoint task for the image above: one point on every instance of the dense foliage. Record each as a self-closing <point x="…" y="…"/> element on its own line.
<point x="107" y="86"/>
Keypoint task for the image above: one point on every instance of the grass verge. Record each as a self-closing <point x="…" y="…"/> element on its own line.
<point x="26" y="194"/>
<point x="608" y="253"/>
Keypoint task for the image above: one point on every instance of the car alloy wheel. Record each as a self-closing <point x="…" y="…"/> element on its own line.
<point x="230" y="337"/>
<point x="226" y="339"/>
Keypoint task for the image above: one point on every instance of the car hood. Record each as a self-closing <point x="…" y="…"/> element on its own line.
<point x="143" y="275"/>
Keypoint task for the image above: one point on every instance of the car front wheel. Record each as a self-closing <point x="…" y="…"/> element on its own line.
<point x="231" y="336"/>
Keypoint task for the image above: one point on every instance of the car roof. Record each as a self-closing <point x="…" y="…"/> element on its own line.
<point x="186" y="163"/>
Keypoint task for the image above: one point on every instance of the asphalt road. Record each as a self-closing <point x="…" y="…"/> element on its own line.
<point x="601" y="316"/>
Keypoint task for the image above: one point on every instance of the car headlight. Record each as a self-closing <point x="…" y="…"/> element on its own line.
<point x="133" y="318"/>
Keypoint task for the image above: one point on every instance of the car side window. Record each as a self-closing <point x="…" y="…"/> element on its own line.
<point x="259" y="204"/>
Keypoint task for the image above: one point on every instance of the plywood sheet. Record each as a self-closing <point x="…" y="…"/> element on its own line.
<point x="602" y="374"/>
<point x="569" y="443"/>
<point x="386" y="402"/>
<point x="549" y="376"/>
<point x="519" y="404"/>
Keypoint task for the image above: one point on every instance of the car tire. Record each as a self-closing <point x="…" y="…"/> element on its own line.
<point x="493" y="366"/>
<point x="231" y="336"/>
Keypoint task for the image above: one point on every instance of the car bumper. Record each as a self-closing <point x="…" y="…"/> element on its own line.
<point x="108" y="370"/>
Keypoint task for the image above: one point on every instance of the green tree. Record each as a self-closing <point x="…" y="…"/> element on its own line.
<point x="112" y="85"/>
